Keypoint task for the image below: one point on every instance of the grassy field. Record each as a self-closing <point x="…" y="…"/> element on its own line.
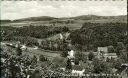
<point x="31" y="51"/>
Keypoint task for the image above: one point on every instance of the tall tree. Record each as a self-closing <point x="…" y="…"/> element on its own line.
<point x="69" y="66"/>
<point x="120" y="46"/>
<point x="18" y="50"/>
<point x="91" y="56"/>
<point x="42" y="58"/>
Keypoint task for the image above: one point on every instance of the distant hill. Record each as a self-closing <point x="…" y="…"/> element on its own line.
<point x="95" y="18"/>
<point x="5" y="20"/>
<point x="41" y="18"/>
<point x="83" y="17"/>
<point x="78" y="20"/>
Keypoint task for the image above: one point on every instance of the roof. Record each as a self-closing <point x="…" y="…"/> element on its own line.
<point x="126" y="64"/>
<point x="87" y="53"/>
<point x="110" y="54"/>
<point x="77" y="67"/>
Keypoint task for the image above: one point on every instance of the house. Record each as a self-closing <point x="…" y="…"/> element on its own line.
<point x="103" y="52"/>
<point x="102" y="49"/>
<point x="110" y="55"/>
<point x="77" y="70"/>
<point x="100" y="55"/>
<point x="71" y="56"/>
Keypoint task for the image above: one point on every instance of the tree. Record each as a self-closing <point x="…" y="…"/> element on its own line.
<point x="123" y="56"/>
<point x="120" y="46"/>
<point x="69" y="66"/>
<point x="64" y="54"/>
<point x="117" y="63"/>
<point x="127" y="47"/>
<point x="59" y="61"/>
<point x="34" y="60"/>
<point x="91" y="56"/>
<point x="18" y="50"/>
<point x="79" y="55"/>
<point x="100" y="66"/>
<point x="111" y="49"/>
<point x="42" y="58"/>
<point x="65" y="29"/>
<point x="76" y="61"/>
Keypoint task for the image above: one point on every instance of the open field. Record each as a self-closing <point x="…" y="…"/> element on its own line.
<point x="31" y="51"/>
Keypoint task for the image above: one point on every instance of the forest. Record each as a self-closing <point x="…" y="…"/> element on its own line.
<point x="93" y="35"/>
<point x="29" y="34"/>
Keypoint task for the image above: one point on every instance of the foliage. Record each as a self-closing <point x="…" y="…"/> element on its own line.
<point x="111" y="49"/>
<point x="100" y="66"/>
<point x="99" y="34"/>
<point x="18" y="51"/>
<point x="29" y="34"/>
<point x="42" y="58"/>
<point x="64" y="53"/>
<point x="68" y="66"/>
<point x="33" y="31"/>
<point x="59" y="61"/>
<point x="117" y="63"/>
<point x="91" y="56"/>
<point x="119" y="48"/>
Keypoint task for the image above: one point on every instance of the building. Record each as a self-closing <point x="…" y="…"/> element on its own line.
<point x="71" y="56"/>
<point x="110" y="55"/>
<point x="102" y="49"/>
<point x="103" y="52"/>
<point x="77" y="70"/>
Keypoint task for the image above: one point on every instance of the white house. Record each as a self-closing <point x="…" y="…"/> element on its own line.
<point x="77" y="71"/>
<point x="110" y="55"/>
<point x="103" y="49"/>
<point x="71" y="54"/>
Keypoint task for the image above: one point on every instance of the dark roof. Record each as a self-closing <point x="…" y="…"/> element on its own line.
<point x="77" y="67"/>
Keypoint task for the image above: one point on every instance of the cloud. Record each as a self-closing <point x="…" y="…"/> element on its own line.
<point x="23" y="9"/>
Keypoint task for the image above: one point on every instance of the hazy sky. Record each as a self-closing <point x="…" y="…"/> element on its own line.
<point x="22" y="9"/>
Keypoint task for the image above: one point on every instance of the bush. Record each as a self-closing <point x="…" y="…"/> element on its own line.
<point x="91" y="56"/>
<point x="42" y="58"/>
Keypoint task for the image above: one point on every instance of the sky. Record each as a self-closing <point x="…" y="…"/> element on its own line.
<point x="23" y="9"/>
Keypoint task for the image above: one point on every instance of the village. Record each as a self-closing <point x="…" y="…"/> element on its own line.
<point x="30" y="64"/>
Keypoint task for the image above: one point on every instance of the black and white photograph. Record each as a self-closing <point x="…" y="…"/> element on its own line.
<point x="63" y="39"/>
